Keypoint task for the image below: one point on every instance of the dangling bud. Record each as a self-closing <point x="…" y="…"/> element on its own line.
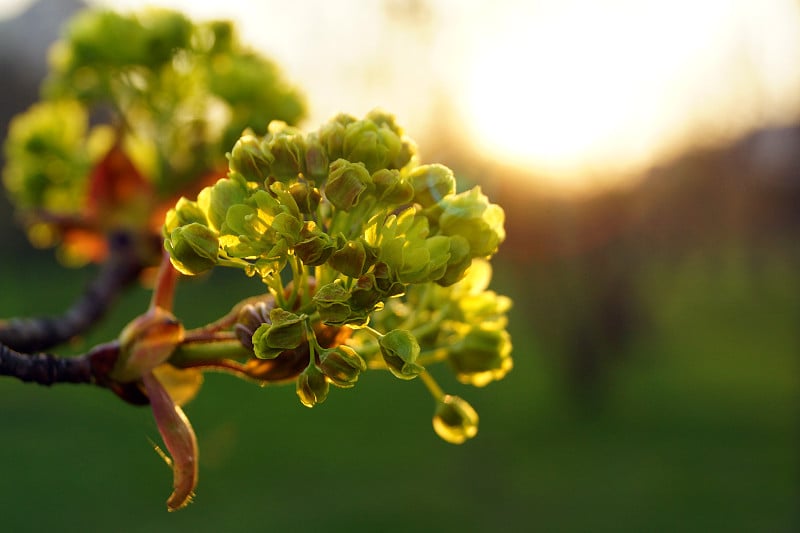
<point x="312" y="387"/>
<point x="285" y="331"/>
<point x="455" y="420"/>
<point x="400" y="350"/>
<point x="342" y="366"/>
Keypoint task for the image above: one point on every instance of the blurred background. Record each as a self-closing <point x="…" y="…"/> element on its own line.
<point x="647" y="154"/>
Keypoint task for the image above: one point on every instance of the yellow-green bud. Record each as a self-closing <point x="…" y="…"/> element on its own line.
<point x="317" y="161"/>
<point x="350" y="259"/>
<point x="376" y="147"/>
<point x="332" y="304"/>
<point x="248" y="159"/>
<point x="470" y="215"/>
<point x="346" y="182"/>
<point x="342" y="366"/>
<point x="390" y="188"/>
<point x="288" y="153"/>
<point x="222" y="195"/>
<point x="192" y="249"/>
<point x="305" y="196"/>
<point x="286" y="331"/>
<point x="315" y="246"/>
<point x="312" y="387"/>
<point x="400" y="350"/>
<point x="482" y="356"/>
<point x="431" y="183"/>
<point x="455" y="420"/>
<point x="458" y="263"/>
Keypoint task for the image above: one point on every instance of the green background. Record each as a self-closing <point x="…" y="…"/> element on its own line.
<point x="695" y="431"/>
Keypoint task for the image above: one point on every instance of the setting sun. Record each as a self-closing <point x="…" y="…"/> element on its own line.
<point x="609" y="87"/>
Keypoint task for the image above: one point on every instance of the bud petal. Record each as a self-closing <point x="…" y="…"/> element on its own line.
<point x="193" y="249"/>
<point x="455" y="420"/>
<point x="312" y="387"/>
<point x="400" y="350"/>
<point x="346" y="182"/>
<point x="431" y="184"/>
<point x="342" y="365"/>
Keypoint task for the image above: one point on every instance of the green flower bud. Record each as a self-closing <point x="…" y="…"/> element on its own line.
<point x="483" y="355"/>
<point x="350" y="259"/>
<point x="317" y="161"/>
<point x="455" y="420"/>
<point x="342" y="366"/>
<point x="312" y="387"/>
<point x="391" y="189"/>
<point x="222" y="195"/>
<point x="286" y="331"/>
<point x="431" y="183"/>
<point x="346" y="182"/>
<point x="288" y="154"/>
<point x="315" y="246"/>
<point x="193" y="248"/>
<point x="305" y="196"/>
<point x="400" y="350"/>
<point x="458" y="263"/>
<point x="248" y="159"/>
<point x="186" y="212"/>
<point x="331" y="135"/>
<point x="376" y="147"/>
<point x="471" y="216"/>
<point x="332" y="304"/>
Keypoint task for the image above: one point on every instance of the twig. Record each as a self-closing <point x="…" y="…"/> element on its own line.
<point x="40" y="333"/>
<point x="45" y="368"/>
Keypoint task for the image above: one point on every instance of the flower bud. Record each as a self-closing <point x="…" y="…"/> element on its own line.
<point x="431" y="183"/>
<point x="146" y="342"/>
<point x="390" y="188"/>
<point x="288" y="153"/>
<point x="286" y="331"/>
<point x="248" y="159"/>
<point x="332" y="304"/>
<point x="400" y="350"/>
<point x="312" y="387"/>
<point x="471" y="216"/>
<point x="482" y="356"/>
<point x="350" y="259"/>
<point x="193" y="249"/>
<point x="315" y="246"/>
<point x="374" y="146"/>
<point x="331" y="135"/>
<point x="342" y="365"/>
<point x="187" y="212"/>
<point x="346" y="182"/>
<point x="250" y="318"/>
<point x="222" y="195"/>
<point x="455" y="420"/>
<point x="317" y="161"/>
<point x="305" y="196"/>
<point x="458" y="263"/>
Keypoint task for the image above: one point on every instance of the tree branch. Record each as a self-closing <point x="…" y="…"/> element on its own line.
<point x="40" y="333"/>
<point x="45" y="368"/>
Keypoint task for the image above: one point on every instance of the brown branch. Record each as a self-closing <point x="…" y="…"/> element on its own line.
<point x="45" y="368"/>
<point x="40" y="333"/>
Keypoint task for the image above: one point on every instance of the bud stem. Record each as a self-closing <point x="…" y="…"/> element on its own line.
<point x="432" y="386"/>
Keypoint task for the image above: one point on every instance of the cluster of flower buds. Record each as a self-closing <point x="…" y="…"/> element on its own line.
<point x="180" y="94"/>
<point x="372" y="240"/>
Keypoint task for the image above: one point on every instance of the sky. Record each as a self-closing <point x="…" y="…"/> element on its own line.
<point x="560" y="88"/>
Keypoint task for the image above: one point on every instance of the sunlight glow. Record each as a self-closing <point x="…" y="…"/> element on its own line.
<point x="562" y="89"/>
<point x="609" y="86"/>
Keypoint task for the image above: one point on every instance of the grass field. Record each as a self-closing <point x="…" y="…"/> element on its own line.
<point x="697" y="431"/>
